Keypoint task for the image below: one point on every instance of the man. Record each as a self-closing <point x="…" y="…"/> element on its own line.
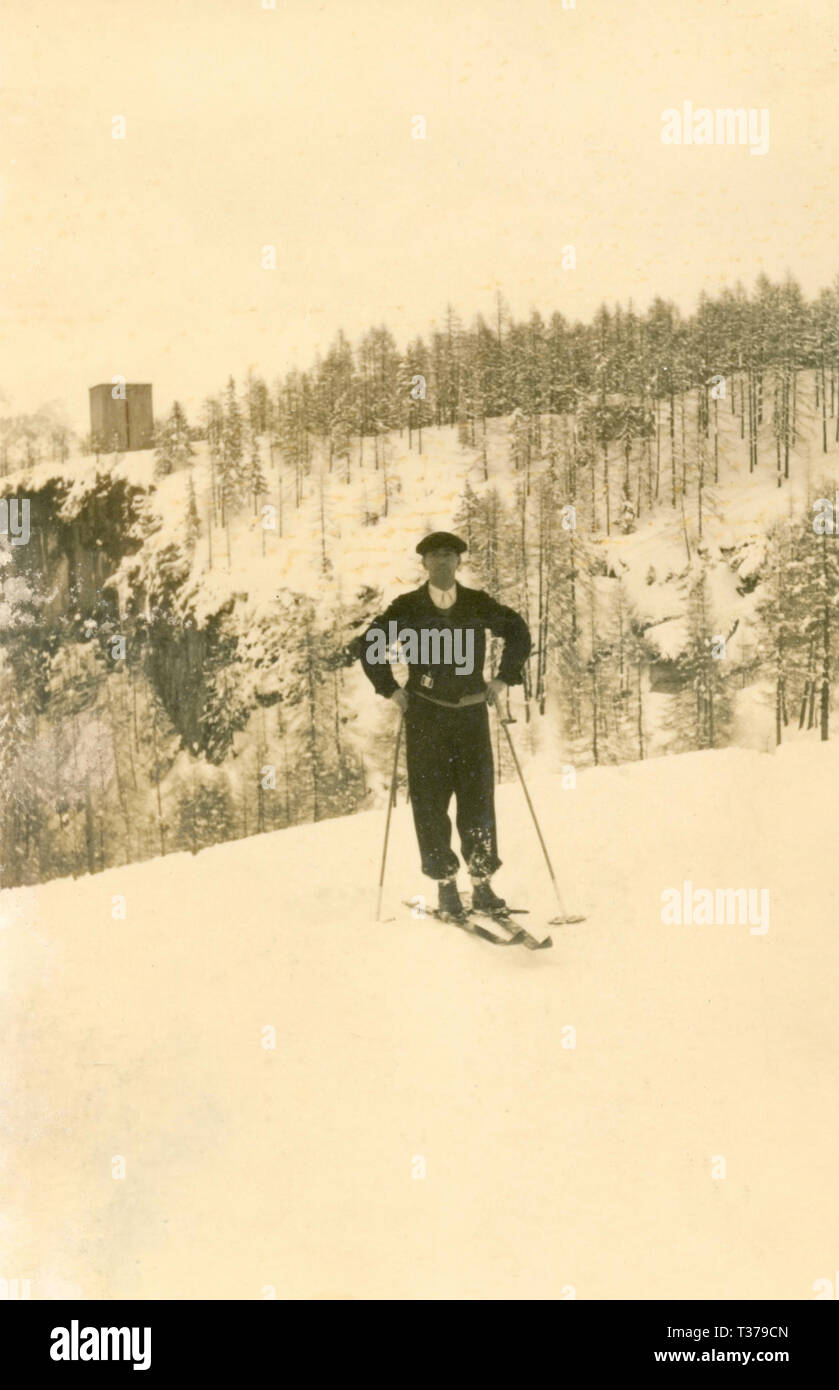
<point x="441" y="630"/>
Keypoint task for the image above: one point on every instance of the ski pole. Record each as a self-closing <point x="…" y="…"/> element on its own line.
<point x="565" y="917"/>
<point x="389" y="808"/>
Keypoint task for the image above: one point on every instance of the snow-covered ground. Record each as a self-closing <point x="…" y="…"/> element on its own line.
<point x="548" y="1167"/>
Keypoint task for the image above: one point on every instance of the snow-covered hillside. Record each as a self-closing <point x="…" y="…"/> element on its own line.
<point x="179" y="669"/>
<point x="549" y="1167"/>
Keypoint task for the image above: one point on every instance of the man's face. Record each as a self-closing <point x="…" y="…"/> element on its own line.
<point x="441" y="566"/>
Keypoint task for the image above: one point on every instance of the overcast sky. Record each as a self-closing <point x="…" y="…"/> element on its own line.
<point x="246" y="126"/>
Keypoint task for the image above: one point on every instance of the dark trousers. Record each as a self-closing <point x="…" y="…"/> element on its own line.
<point x="449" y="752"/>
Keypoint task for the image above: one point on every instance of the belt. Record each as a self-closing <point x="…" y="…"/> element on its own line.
<point x="478" y="699"/>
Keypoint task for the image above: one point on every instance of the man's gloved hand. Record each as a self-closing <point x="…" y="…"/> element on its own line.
<point x="496" y="691"/>
<point x="400" y="698"/>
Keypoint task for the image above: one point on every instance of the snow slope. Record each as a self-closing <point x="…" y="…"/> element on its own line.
<point x="549" y="1168"/>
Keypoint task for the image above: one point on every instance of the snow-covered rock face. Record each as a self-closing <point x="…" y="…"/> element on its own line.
<point x="16" y="596"/>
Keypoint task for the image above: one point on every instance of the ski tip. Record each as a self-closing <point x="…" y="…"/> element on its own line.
<point x="567" y="921"/>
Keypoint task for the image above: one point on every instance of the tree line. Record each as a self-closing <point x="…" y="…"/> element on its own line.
<point x="178" y="746"/>
<point x="612" y="372"/>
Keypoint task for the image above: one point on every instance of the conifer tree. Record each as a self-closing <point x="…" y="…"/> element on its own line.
<point x="779" y="644"/>
<point x="701" y="716"/>
<point x="814" y="585"/>
<point x="231" y="456"/>
<point x="174" y="444"/>
<point x="193" y="521"/>
<point x="257" y="485"/>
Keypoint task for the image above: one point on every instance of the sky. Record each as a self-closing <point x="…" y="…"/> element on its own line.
<point x="292" y="127"/>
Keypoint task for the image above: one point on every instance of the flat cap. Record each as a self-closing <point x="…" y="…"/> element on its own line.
<point x="441" y="540"/>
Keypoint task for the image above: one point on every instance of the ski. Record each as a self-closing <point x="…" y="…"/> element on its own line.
<point x="474" y="928"/>
<point x="472" y="922"/>
<point x="503" y="918"/>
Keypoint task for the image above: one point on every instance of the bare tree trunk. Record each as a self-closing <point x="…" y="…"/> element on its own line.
<point x="155" y="750"/>
<point x="336" y="691"/>
<point x="685" y="528"/>
<point x="672" y="449"/>
<point x="89" y="827"/>
<point x="825" y="681"/>
<point x="594" y="713"/>
<point x="120" y="789"/>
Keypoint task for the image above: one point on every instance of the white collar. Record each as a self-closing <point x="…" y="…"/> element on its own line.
<point x="443" y="598"/>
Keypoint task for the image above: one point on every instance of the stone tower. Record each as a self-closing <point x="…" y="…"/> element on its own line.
<point x="122" y="424"/>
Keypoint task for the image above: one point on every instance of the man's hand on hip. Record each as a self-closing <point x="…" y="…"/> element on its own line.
<point x="496" y="691"/>
<point x="400" y="699"/>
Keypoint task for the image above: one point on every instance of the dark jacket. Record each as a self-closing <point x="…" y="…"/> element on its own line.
<point x="467" y="620"/>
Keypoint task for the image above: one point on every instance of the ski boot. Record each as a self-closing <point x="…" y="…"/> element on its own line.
<point x="448" y="900"/>
<point x="485" y="900"/>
